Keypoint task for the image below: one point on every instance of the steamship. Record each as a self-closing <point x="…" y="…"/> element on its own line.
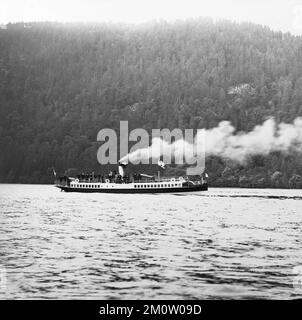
<point x="137" y="183"/>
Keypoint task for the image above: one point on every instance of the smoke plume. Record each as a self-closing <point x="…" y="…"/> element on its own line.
<point x="222" y="141"/>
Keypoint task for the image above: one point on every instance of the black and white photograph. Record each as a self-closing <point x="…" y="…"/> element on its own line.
<point x="150" y="150"/>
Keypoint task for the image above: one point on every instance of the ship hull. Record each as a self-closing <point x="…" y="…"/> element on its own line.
<point x="203" y="187"/>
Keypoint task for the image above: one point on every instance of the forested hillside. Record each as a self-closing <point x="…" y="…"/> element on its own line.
<point x="61" y="83"/>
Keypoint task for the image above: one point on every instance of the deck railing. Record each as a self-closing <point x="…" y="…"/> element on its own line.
<point x="65" y="181"/>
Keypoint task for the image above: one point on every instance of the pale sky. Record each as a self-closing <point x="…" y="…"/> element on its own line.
<point x="284" y="15"/>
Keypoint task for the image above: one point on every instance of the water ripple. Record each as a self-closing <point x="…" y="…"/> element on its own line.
<point x="225" y="243"/>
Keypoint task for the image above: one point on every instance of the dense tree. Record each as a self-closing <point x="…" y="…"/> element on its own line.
<point x="61" y="83"/>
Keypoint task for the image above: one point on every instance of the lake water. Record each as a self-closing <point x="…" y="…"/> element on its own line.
<point x="224" y="243"/>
